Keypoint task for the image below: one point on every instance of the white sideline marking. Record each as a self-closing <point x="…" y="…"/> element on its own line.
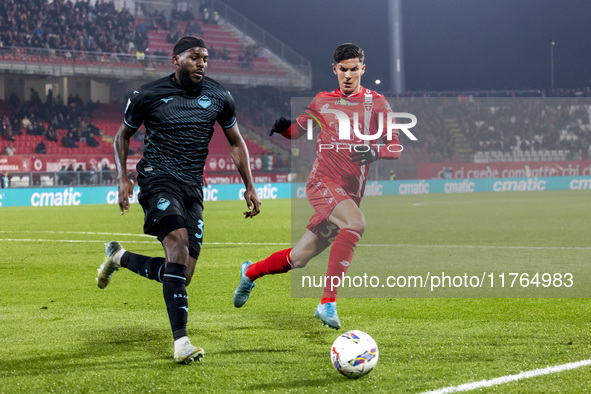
<point x="279" y="243"/>
<point x="135" y="242"/>
<point x="73" y="232"/>
<point x="483" y="247"/>
<point x="511" y="378"/>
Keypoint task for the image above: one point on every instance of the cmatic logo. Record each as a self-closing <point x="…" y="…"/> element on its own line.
<point x="113" y="197"/>
<point x="50" y="199"/>
<point x="575" y="184"/>
<point x="532" y="184"/>
<point x="421" y="187"/>
<point x="266" y="192"/>
<point x="373" y="189"/>
<point x="210" y="193"/>
<point x="459" y="187"/>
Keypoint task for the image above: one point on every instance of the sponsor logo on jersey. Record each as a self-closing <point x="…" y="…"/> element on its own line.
<point x="163" y="203"/>
<point x="340" y="191"/>
<point x="204" y="101"/>
<point x="342" y="101"/>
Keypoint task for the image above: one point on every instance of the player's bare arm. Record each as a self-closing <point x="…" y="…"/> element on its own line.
<point x="120" y="151"/>
<point x="239" y="153"/>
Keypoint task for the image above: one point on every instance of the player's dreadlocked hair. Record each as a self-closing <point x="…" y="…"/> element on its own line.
<point x="348" y="51"/>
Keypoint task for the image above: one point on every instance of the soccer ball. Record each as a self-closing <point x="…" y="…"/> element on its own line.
<point x="354" y="354"/>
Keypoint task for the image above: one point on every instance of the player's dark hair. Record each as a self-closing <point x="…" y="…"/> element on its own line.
<point x="348" y="51"/>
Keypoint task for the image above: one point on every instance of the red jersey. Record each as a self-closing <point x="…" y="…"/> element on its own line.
<point x="369" y="110"/>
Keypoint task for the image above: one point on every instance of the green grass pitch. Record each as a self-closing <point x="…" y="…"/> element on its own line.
<point x="60" y="333"/>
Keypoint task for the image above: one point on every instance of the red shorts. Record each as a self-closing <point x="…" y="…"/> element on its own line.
<point x="323" y="197"/>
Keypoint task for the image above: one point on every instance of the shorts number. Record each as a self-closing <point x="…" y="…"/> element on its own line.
<point x="199" y="233"/>
<point x="330" y="233"/>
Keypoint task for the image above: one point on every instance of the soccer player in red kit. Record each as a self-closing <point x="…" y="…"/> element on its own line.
<point x="337" y="180"/>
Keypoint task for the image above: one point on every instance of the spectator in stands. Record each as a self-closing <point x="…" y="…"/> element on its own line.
<point x="107" y="177"/>
<point x="160" y="19"/>
<point x="68" y="140"/>
<point x="62" y="177"/>
<point x="38" y="128"/>
<point x="35" y="99"/>
<point x="193" y="28"/>
<point x="173" y="35"/>
<point x="225" y="54"/>
<point x="206" y="16"/>
<point x="151" y="23"/>
<point x="81" y="175"/>
<point x="40" y="148"/>
<point x="4" y="181"/>
<point x="70" y="175"/>
<point x="26" y="124"/>
<point x="9" y="150"/>
<point x="7" y="133"/>
<point x="49" y="99"/>
<point x="212" y="53"/>
<point x="51" y="134"/>
<point x="91" y="141"/>
<point x="245" y="59"/>
<point x="91" y="175"/>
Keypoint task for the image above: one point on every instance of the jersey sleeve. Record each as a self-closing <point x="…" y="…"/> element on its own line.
<point x="227" y="117"/>
<point x="134" y="115"/>
<point x="312" y="112"/>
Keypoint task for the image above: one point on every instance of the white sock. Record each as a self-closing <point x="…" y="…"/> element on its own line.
<point x="117" y="256"/>
<point x="180" y="342"/>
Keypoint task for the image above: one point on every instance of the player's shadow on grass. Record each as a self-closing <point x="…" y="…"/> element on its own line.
<point x="95" y="349"/>
<point x="294" y="384"/>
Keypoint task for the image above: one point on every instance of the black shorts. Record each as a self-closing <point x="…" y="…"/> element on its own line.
<point x="169" y="205"/>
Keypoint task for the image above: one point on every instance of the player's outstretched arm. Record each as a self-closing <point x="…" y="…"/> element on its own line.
<point x="289" y="129"/>
<point x="120" y="151"/>
<point x="239" y="153"/>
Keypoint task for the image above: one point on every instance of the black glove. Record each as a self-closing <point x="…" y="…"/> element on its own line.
<point x="362" y="158"/>
<point x="280" y="126"/>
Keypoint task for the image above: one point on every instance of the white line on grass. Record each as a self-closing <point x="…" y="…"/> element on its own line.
<point x="284" y="243"/>
<point x="482" y="247"/>
<point x="69" y="240"/>
<point x="511" y="378"/>
<point x="73" y="232"/>
<point x="136" y="242"/>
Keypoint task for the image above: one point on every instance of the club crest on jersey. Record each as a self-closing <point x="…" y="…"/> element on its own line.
<point x="204" y="101"/>
<point x="163" y="203"/>
<point x="368" y="106"/>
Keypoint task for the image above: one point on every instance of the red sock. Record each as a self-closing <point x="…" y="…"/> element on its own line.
<point x="278" y="263"/>
<point x="341" y="254"/>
